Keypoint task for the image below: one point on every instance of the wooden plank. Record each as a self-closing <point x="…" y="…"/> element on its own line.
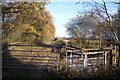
<point x="31" y="45"/>
<point x="96" y="49"/>
<point x="73" y="51"/>
<point x="34" y="56"/>
<point x="33" y="59"/>
<point x="21" y="45"/>
<point x="72" y="47"/>
<point x="19" y="67"/>
<point x="32" y="64"/>
<point x="27" y="67"/>
<point x="30" y="51"/>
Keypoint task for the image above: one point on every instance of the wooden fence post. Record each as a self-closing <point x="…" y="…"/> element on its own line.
<point x="110" y="57"/>
<point x="66" y="57"/>
<point x="82" y="53"/>
<point x="116" y="53"/>
<point x="105" y="58"/>
<point x="85" y="60"/>
<point x="118" y="56"/>
<point x="71" y="59"/>
<point x="57" y="61"/>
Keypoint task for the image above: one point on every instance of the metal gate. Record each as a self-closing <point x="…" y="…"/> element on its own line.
<point x="79" y="59"/>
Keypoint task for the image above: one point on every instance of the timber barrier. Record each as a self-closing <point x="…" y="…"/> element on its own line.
<point x="13" y="57"/>
<point x="37" y="58"/>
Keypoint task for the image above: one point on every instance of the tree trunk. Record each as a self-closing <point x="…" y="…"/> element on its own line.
<point x="118" y="61"/>
<point x="119" y="32"/>
<point x="100" y="37"/>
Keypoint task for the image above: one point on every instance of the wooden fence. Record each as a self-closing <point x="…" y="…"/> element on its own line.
<point x="28" y="58"/>
<point x="36" y="58"/>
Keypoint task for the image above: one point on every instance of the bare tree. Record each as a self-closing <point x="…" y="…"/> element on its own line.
<point x="101" y="9"/>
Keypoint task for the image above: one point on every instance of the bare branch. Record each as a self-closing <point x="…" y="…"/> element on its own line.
<point x="106" y="10"/>
<point x="100" y="5"/>
<point x="103" y="18"/>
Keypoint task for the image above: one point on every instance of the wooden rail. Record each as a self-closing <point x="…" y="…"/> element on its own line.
<point x="27" y="58"/>
<point x="82" y="55"/>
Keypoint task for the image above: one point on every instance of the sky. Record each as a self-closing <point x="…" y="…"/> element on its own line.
<point x="63" y="11"/>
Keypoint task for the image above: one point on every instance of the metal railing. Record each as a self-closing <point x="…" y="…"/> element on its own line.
<point x="86" y="59"/>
